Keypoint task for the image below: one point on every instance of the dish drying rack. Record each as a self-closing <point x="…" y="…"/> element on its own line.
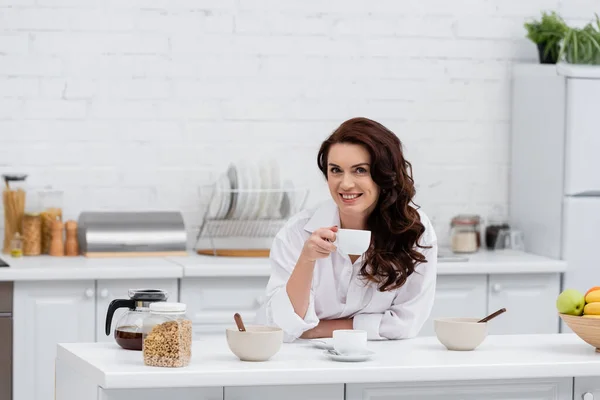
<point x="292" y="200"/>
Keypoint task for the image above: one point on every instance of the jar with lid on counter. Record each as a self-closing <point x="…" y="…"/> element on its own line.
<point x="464" y="232"/>
<point x="167" y="336"/>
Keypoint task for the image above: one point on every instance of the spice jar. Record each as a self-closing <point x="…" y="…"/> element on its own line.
<point x="167" y="336"/>
<point x="16" y="246"/>
<point x="464" y="233"/>
<point x="13" y="201"/>
<point x="51" y="205"/>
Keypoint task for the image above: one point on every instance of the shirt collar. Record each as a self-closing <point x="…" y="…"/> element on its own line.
<point x="326" y="214"/>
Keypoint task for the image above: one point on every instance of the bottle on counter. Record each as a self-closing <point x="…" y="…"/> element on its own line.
<point x="16" y="246"/>
<point x="71" y="244"/>
<point x="57" y="247"/>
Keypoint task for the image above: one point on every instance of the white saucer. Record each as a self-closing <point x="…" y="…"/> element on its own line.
<point x="349" y="357"/>
<point x="324" y="344"/>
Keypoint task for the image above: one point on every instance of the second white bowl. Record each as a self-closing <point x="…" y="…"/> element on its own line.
<point x="460" y="334"/>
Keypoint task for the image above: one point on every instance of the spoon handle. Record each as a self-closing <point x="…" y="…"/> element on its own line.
<point x="238" y="321"/>
<point x="493" y="315"/>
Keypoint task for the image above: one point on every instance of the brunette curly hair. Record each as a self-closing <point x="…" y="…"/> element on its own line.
<point x="391" y="257"/>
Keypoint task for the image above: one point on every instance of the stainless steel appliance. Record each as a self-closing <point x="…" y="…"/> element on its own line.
<point x="6" y="339"/>
<point x="124" y="233"/>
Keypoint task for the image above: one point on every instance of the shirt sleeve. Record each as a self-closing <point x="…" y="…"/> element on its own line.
<point x="411" y="306"/>
<point x="279" y="310"/>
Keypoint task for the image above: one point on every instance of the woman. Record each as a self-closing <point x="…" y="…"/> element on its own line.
<point x="314" y="289"/>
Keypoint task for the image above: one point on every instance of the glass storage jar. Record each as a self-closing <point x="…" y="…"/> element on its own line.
<point x="13" y="201"/>
<point x="51" y="202"/>
<point x="167" y="336"/>
<point x="464" y="232"/>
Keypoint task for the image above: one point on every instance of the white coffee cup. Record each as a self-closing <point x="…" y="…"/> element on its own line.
<point x="349" y="341"/>
<point x="353" y="241"/>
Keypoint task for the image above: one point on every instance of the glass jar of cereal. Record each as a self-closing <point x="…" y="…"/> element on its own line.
<point x="167" y="335"/>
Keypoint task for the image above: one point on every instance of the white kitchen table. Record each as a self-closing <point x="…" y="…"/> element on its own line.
<point x="551" y="366"/>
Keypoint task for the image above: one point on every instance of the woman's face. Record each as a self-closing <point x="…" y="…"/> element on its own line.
<point x="349" y="179"/>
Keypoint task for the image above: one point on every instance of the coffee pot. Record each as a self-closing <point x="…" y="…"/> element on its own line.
<point x="128" y="329"/>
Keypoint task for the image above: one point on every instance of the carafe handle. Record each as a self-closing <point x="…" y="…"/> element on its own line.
<point x="113" y="306"/>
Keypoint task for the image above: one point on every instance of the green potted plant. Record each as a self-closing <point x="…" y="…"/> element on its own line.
<point x="547" y="34"/>
<point x="582" y="45"/>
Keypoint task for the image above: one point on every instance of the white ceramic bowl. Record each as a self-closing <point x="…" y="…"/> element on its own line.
<point x="460" y="333"/>
<point x="257" y="343"/>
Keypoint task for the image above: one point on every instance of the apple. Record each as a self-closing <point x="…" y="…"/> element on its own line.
<point x="571" y="302"/>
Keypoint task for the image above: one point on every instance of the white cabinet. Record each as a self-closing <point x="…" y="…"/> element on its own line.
<point x="530" y="302"/>
<point x="514" y="389"/>
<point x="47" y="313"/>
<point x="587" y="388"/>
<point x="110" y="289"/>
<point x="457" y="296"/>
<point x="287" y="392"/>
<point x="211" y="393"/>
<point x="212" y="301"/>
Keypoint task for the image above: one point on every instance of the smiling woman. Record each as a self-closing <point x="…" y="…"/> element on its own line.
<point x="388" y="291"/>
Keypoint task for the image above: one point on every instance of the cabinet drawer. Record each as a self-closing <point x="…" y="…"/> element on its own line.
<point x="513" y="389"/>
<point x="587" y="388"/>
<point x="214" y="300"/>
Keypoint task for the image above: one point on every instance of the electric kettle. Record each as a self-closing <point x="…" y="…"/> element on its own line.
<point x="128" y="329"/>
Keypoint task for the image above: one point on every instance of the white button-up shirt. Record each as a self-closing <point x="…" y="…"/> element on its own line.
<point x="337" y="292"/>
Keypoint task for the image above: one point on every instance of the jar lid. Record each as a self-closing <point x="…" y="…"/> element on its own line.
<point x="466" y="219"/>
<point x="165" y="307"/>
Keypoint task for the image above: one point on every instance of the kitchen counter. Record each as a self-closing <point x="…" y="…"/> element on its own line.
<point x="482" y="262"/>
<point x="73" y="268"/>
<point x="107" y="366"/>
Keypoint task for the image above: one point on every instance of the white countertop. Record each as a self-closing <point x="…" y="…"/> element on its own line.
<point x="80" y="267"/>
<point x="482" y="262"/>
<point x="73" y="268"/>
<point x="420" y="359"/>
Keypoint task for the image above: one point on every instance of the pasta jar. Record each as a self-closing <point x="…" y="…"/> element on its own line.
<point x="167" y="335"/>
<point x="464" y="232"/>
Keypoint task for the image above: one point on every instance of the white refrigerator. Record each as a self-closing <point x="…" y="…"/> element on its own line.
<point x="554" y="195"/>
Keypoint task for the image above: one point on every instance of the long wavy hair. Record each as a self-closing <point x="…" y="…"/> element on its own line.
<point x="391" y="257"/>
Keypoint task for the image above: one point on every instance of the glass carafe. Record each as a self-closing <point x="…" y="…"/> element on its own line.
<point x="128" y="328"/>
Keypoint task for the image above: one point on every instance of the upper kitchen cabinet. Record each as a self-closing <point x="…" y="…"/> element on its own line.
<point x="47" y="313"/>
<point x="111" y="289"/>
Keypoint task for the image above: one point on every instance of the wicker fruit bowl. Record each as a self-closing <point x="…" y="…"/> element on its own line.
<point x="588" y="329"/>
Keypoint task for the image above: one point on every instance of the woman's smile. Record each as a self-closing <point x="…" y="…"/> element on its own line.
<point x="350" y="198"/>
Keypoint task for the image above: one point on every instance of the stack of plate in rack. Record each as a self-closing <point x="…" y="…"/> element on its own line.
<point x="252" y="191"/>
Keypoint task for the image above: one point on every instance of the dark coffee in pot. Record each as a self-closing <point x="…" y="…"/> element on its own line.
<point x="128" y="337"/>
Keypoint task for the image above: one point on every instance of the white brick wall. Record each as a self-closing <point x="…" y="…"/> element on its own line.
<point x="129" y="103"/>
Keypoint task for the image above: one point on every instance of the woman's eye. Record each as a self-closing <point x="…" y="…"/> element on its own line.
<point x="334" y="170"/>
<point x="361" y="170"/>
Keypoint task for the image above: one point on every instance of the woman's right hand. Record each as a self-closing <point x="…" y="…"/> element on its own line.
<point x="320" y="244"/>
